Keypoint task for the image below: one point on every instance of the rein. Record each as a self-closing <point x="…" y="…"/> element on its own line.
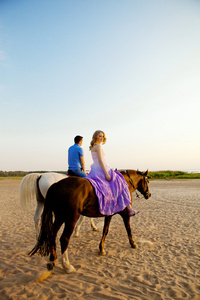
<point x="131" y="182"/>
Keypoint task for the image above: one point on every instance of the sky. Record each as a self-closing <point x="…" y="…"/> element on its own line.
<point x="128" y="67"/>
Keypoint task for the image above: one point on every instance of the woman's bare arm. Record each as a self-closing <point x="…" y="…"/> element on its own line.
<point x="100" y="158"/>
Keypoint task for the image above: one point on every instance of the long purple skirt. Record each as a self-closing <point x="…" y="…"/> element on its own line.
<point x="113" y="195"/>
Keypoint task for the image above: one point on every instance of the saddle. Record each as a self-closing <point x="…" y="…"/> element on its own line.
<point x="71" y="173"/>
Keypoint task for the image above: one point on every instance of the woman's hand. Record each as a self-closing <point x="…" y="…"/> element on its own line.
<point x="108" y="178"/>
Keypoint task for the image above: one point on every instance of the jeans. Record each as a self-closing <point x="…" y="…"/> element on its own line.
<point x="79" y="173"/>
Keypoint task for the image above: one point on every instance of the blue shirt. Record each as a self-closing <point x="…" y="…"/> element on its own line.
<point x="74" y="154"/>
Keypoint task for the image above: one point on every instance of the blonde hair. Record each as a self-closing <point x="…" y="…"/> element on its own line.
<point x="94" y="138"/>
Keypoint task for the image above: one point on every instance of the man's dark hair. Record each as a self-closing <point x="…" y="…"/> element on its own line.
<point x="77" y="139"/>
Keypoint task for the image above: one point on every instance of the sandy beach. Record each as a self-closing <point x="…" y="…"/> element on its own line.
<point x="166" y="264"/>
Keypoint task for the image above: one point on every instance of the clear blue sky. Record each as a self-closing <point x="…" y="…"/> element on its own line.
<point x="128" y="67"/>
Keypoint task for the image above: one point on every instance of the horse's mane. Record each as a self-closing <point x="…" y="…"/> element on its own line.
<point x="123" y="172"/>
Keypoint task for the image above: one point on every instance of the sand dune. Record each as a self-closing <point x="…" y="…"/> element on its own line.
<point x="166" y="264"/>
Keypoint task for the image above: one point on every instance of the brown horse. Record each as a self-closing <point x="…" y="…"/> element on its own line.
<point x="68" y="199"/>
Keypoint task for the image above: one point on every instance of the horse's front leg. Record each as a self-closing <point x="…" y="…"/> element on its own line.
<point x="126" y="219"/>
<point x="105" y="232"/>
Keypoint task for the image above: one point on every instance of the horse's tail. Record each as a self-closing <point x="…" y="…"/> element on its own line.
<point x="28" y="190"/>
<point x="46" y="238"/>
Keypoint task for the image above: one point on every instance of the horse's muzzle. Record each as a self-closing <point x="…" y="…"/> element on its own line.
<point x="147" y="196"/>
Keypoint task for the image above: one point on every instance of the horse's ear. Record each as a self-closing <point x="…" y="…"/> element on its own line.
<point x="146" y="173"/>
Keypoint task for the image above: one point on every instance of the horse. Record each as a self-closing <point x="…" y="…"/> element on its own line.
<point x="71" y="197"/>
<point x="35" y="186"/>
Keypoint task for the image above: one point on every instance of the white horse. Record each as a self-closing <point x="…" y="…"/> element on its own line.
<point x="33" y="187"/>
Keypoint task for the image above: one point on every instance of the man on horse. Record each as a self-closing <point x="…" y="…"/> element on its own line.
<point x="76" y="161"/>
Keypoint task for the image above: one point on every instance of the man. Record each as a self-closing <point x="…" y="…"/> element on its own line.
<point x="76" y="161"/>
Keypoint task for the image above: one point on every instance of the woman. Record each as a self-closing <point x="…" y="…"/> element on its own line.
<point x="110" y="186"/>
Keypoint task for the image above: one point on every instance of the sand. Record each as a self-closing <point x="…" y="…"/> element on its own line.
<point x="166" y="264"/>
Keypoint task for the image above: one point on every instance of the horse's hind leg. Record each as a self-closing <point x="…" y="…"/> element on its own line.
<point x="53" y="253"/>
<point x="40" y="206"/>
<point x="78" y="225"/>
<point x="80" y="221"/>
<point x="64" y="241"/>
<point x="66" y="264"/>
<point x="93" y="225"/>
<point x="105" y="232"/>
<point x="126" y="220"/>
<point x="37" y="217"/>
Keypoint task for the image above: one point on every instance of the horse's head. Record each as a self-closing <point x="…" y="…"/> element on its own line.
<point x="143" y="185"/>
<point x="137" y="180"/>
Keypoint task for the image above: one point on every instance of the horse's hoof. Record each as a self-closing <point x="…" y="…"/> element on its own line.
<point x="76" y="234"/>
<point x="95" y="228"/>
<point x="135" y="246"/>
<point x="70" y="270"/>
<point x="102" y="253"/>
<point x="50" y="266"/>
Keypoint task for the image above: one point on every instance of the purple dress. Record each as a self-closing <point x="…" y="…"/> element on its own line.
<point x="113" y="195"/>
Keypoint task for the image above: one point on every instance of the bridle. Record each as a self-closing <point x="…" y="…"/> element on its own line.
<point x="131" y="182"/>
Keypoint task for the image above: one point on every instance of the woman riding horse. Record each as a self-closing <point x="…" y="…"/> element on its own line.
<point x="104" y="193"/>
